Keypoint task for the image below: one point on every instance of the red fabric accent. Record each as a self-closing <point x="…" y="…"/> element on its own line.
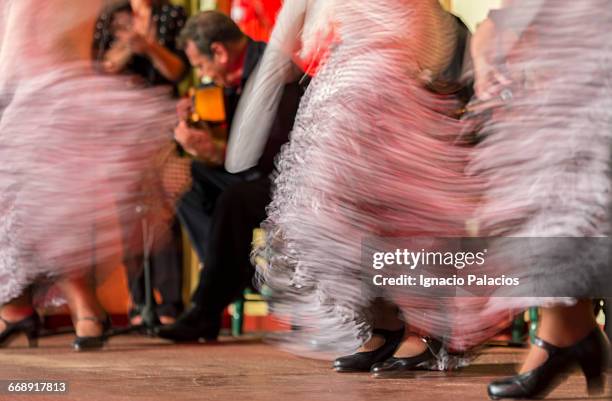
<point x="256" y="18"/>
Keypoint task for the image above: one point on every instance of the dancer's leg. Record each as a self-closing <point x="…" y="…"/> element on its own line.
<point x="86" y="310"/>
<point x="385" y="316"/>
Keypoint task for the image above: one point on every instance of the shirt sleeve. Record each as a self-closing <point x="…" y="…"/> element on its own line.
<point x="170" y="22"/>
<point x="102" y="35"/>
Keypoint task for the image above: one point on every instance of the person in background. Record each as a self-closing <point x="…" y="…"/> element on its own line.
<point x="222" y="209"/>
<point x="138" y="37"/>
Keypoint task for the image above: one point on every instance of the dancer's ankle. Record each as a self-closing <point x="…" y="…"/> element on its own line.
<point x="559" y="337"/>
<point x="373" y="343"/>
<point x="16" y="313"/>
<point x="411" y="346"/>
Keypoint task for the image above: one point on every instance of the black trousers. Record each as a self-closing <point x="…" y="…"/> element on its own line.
<point x="194" y="212"/>
<point x="196" y="207"/>
<point x="166" y="272"/>
<point x="228" y="271"/>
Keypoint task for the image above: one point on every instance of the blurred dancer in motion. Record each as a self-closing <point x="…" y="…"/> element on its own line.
<point x="370" y="136"/>
<point x="139" y="38"/>
<point x="72" y="155"/>
<point x="374" y="153"/>
<point x="543" y="76"/>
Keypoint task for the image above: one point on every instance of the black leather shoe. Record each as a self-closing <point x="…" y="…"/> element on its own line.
<point x="95" y="342"/>
<point x="397" y="366"/>
<point x="192" y="326"/>
<point x="591" y="354"/>
<point x="30" y="326"/>
<point x="363" y="361"/>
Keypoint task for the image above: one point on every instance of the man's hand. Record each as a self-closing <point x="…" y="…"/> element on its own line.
<point x="197" y="142"/>
<point x="184" y="108"/>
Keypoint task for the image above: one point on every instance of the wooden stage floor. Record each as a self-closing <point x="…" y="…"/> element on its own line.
<point x="139" y="368"/>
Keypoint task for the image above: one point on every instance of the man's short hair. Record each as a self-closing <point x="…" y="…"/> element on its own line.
<point x="208" y="27"/>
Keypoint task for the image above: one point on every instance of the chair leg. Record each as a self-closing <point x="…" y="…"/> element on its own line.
<point x="238" y="318"/>
<point x="533" y="323"/>
<point x="518" y="330"/>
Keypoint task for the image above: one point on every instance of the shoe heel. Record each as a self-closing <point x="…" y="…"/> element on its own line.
<point x="595" y="379"/>
<point x="592" y="355"/>
<point x="596" y="385"/>
<point x="32" y="340"/>
<point x="29" y="326"/>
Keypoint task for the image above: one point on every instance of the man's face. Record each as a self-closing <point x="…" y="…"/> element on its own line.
<point x="213" y="67"/>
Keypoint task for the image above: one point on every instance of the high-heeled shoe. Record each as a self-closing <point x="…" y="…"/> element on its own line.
<point x="394" y="365"/>
<point x="30" y="326"/>
<point x="591" y="354"/>
<point x="92" y="343"/>
<point x="363" y="361"/>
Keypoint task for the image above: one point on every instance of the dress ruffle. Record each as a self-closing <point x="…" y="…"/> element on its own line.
<point x="373" y="153"/>
<point x="78" y="151"/>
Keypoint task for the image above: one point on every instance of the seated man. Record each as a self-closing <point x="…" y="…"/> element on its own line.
<point x="217" y="48"/>
<point x="222" y="209"/>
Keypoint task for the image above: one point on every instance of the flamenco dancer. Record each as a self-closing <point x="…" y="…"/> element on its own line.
<point x="371" y="133"/>
<point x="545" y="168"/>
<point x="74" y="146"/>
<point x="369" y="158"/>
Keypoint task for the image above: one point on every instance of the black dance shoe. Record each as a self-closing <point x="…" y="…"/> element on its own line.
<point x="397" y="366"/>
<point x="93" y="343"/>
<point x="30" y="326"/>
<point x="591" y="354"/>
<point x="363" y="361"/>
<point x="192" y="326"/>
